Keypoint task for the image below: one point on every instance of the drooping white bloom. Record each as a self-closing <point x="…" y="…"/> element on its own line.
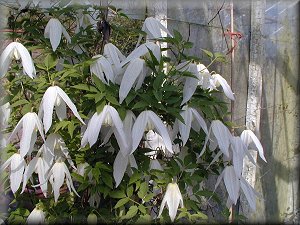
<point x="248" y="137"/>
<point x="173" y="199"/>
<point x="56" y="97"/>
<point x="39" y="166"/>
<point x="102" y="69"/>
<point x="108" y="117"/>
<point x="133" y="76"/>
<point x="121" y="163"/>
<point x="5" y="111"/>
<point x="219" y="80"/>
<point x="18" y="51"/>
<point x="37" y="216"/>
<point x="148" y="120"/>
<point x="17" y="165"/>
<point x="232" y="183"/>
<point x="143" y="50"/>
<point x="57" y="176"/>
<point x="154" y="141"/>
<point x="238" y="153"/>
<point x="55" y="148"/>
<point x="29" y="123"/>
<point x="191" y="83"/>
<point x="221" y="134"/>
<point x="115" y="57"/>
<point x="193" y="120"/>
<point x="53" y="30"/>
<point x="154" y="29"/>
<point x="249" y="192"/>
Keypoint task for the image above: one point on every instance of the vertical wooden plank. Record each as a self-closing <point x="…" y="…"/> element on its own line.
<point x="254" y="89"/>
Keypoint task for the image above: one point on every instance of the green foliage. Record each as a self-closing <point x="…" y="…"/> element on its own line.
<point x="135" y="199"/>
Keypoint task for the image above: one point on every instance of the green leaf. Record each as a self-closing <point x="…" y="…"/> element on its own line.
<point x="71" y="128"/>
<point x="143" y="190"/>
<point x="136" y="176"/>
<point x="129" y="191"/>
<point x="19" y="102"/>
<point x="177" y="35"/>
<point x="141" y="104"/>
<point x="85" y="87"/>
<point x="107" y="179"/>
<point x="117" y="194"/>
<point x="100" y="105"/>
<point x="144" y="219"/>
<point x="208" y="53"/>
<point x="50" y="61"/>
<point x="131" y="212"/>
<point x="77" y="177"/>
<point x="99" y="84"/>
<point x="142" y="209"/>
<point x="188" y="44"/>
<point x="121" y="202"/>
<point x="158" y="81"/>
<point x="148" y="197"/>
<point x="112" y="100"/>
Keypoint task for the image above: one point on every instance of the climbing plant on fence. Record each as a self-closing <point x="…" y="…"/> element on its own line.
<point x="105" y="126"/>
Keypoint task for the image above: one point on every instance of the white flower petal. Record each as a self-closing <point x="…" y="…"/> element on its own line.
<point x="27" y="63"/>
<point x="131" y="74"/>
<point x="239" y="149"/>
<point x="5" y="58"/>
<point x="199" y="120"/>
<point x="58" y="172"/>
<point x="113" y="54"/>
<point x="143" y="50"/>
<point x="119" y="167"/>
<point x="226" y="88"/>
<point x="46" y="107"/>
<point x="28" y="129"/>
<point x="30" y="168"/>
<point x="138" y="129"/>
<point x="232" y="183"/>
<point x="222" y="135"/>
<point x="68" y="101"/>
<point x="17" y="167"/>
<point x="247" y="136"/>
<point x="249" y="193"/>
<point x="161" y="129"/>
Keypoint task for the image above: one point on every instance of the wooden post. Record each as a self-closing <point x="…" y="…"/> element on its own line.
<point x="254" y="89"/>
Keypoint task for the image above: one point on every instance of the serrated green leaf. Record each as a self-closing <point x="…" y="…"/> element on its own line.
<point x="85" y="87"/>
<point x="107" y="179"/>
<point x="19" y="102"/>
<point x="129" y="191"/>
<point x="148" y="197"/>
<point x="121" y="202"/>
<point x="112" y="99"/>
<point x="136" y="176"/>
<point x="141" y="104"/>
<point x="143" y="190"/>
<point x="50" y="61"/>
<point x="142" y="209"/>
<point x="117" y="194"/>
<point x="131" y="212"/>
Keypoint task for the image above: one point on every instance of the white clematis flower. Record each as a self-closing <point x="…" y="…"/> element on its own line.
<point x="249" y="192"/>
<point x="221" y="134"/>
<point x="232" y="183"/>
<point x="18" y="51"/>
<point x="37" y="216"/>
<point x="143" y="50"/>
<point x="17" y="165"/>
<point x="148" y="120"/>
<point x="248" y="137"/>
<point x="219" y="80"/>
<point x="173" y="199"/>
<point x="29" y="123"/>
<point x="53" y="30"/>
<point x="154" y="29"/>
<point x="57" y="175"/>
<point x="39" y="166"/>
<point x="133" y="76"/>
<point x="55" y="148"/>
<point x="56" y="97"/>
<point x="103" y="69"/>
<point x="121" y="163"/>
<point x="115" y="57"/>
<point x="108" y="117"/>
<point x="155" y="142"/>
<point x="191" y="83"/>
<point x="193" y="120"/>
